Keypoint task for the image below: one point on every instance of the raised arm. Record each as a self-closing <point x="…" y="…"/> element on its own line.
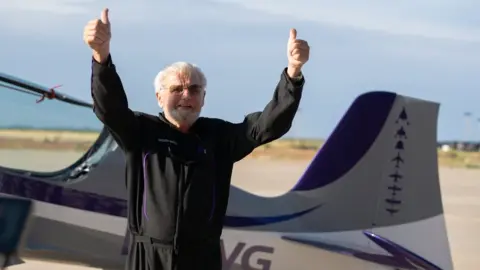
<point x="109" y="98"/>
<point x="110" y="104"/>
<point x="277" y="117"/>
<point x="270" y="124"/>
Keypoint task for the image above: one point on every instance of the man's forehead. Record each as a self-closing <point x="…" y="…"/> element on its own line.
<point x="180" y="78"/>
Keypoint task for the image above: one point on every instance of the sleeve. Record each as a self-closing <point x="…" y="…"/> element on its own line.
<point x="110" y="104"/>
<point x="273" y="122"/>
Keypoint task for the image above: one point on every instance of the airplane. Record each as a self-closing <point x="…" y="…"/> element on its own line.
<point x="398" y="159"/>
<point x="337" y="216"/>
<point x="396" y="176"/>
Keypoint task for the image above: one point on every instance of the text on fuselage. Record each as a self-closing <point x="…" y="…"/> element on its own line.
<point x="246" y="253"/>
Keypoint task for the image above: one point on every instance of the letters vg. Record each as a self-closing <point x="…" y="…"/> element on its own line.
<point x="245" y="254"/>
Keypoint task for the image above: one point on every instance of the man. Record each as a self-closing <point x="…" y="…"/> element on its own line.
<point x="179" y="165"/>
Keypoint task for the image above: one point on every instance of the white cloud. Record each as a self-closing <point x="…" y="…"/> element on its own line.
<point x="64" y="7"/>
<point x="44" y="17"/>
<point x="38" y="13"/>
<point x="446" y="19"/>
<point x="449" y="19"/>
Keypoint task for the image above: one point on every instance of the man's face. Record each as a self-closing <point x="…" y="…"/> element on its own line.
<point x="183" y="98"/>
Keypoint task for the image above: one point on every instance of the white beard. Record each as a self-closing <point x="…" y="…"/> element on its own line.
<point x="184" y="116"/>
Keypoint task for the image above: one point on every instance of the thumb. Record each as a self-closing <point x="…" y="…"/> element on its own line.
<point x="104" y="16"/>
<point x="293" y="34"/>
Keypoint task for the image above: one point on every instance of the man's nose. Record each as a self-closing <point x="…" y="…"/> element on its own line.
<point x="186" y="93"/>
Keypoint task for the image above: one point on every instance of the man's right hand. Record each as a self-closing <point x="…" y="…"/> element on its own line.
<point x="97" y="35"/>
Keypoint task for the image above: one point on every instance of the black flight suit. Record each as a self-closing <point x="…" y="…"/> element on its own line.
<point x="178" y="184"/>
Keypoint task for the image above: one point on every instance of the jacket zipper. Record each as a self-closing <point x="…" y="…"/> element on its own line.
<point x="180" y="195"/>
<point x="145" y="184"/>
<point x="212" y="210"/>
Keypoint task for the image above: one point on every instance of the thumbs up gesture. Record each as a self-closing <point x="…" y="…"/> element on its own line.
<point x="298" y="51"/>
<point x="97" y="35"/>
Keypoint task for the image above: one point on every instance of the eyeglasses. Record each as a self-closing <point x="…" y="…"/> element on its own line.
<point x="193" y="89"/>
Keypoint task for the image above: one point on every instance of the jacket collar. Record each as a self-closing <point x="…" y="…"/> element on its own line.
<point x="164" y="119"/>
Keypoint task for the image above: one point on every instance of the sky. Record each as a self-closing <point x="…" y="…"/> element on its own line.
<point x="424" y="49"/>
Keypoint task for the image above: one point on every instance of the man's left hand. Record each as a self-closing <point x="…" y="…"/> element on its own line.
<point x="298" y="53"/>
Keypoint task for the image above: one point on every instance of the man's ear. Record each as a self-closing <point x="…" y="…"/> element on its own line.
<point x="159" y="99"/>
<point x="203" y="98"/>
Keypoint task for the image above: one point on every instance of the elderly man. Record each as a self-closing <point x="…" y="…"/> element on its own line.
<point x="179" y="165"/>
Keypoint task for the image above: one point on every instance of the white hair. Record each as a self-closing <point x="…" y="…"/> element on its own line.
<point x="187" y="69"/>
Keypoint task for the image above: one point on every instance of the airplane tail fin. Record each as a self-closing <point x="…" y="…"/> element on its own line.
<point x="378" y="173"/>
<point x="380" y="162"/>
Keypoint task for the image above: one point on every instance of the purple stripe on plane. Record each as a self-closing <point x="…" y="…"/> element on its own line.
<point x="237" y="222"/>
<point x="27" y="187"/>
<point x="35" y="189"/>
<point x="401" y="253"/>
<point x="401" y="257"/>
<point x="351" y="139"/>
<point x="374" y="258"/>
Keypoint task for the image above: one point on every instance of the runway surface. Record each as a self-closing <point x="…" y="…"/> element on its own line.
<point x="460" y="191"/>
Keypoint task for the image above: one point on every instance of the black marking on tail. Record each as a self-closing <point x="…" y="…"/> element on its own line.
<point x="403" y="117"/>
<point x="401" y="134"/>
<point x="395" y="176"/>
<point x="394" y="203"/>
<point x="392" y="211"/>
<point x="399" y="146"/>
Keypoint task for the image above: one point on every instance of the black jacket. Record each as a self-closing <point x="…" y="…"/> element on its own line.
<point x="178" y="184"/>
